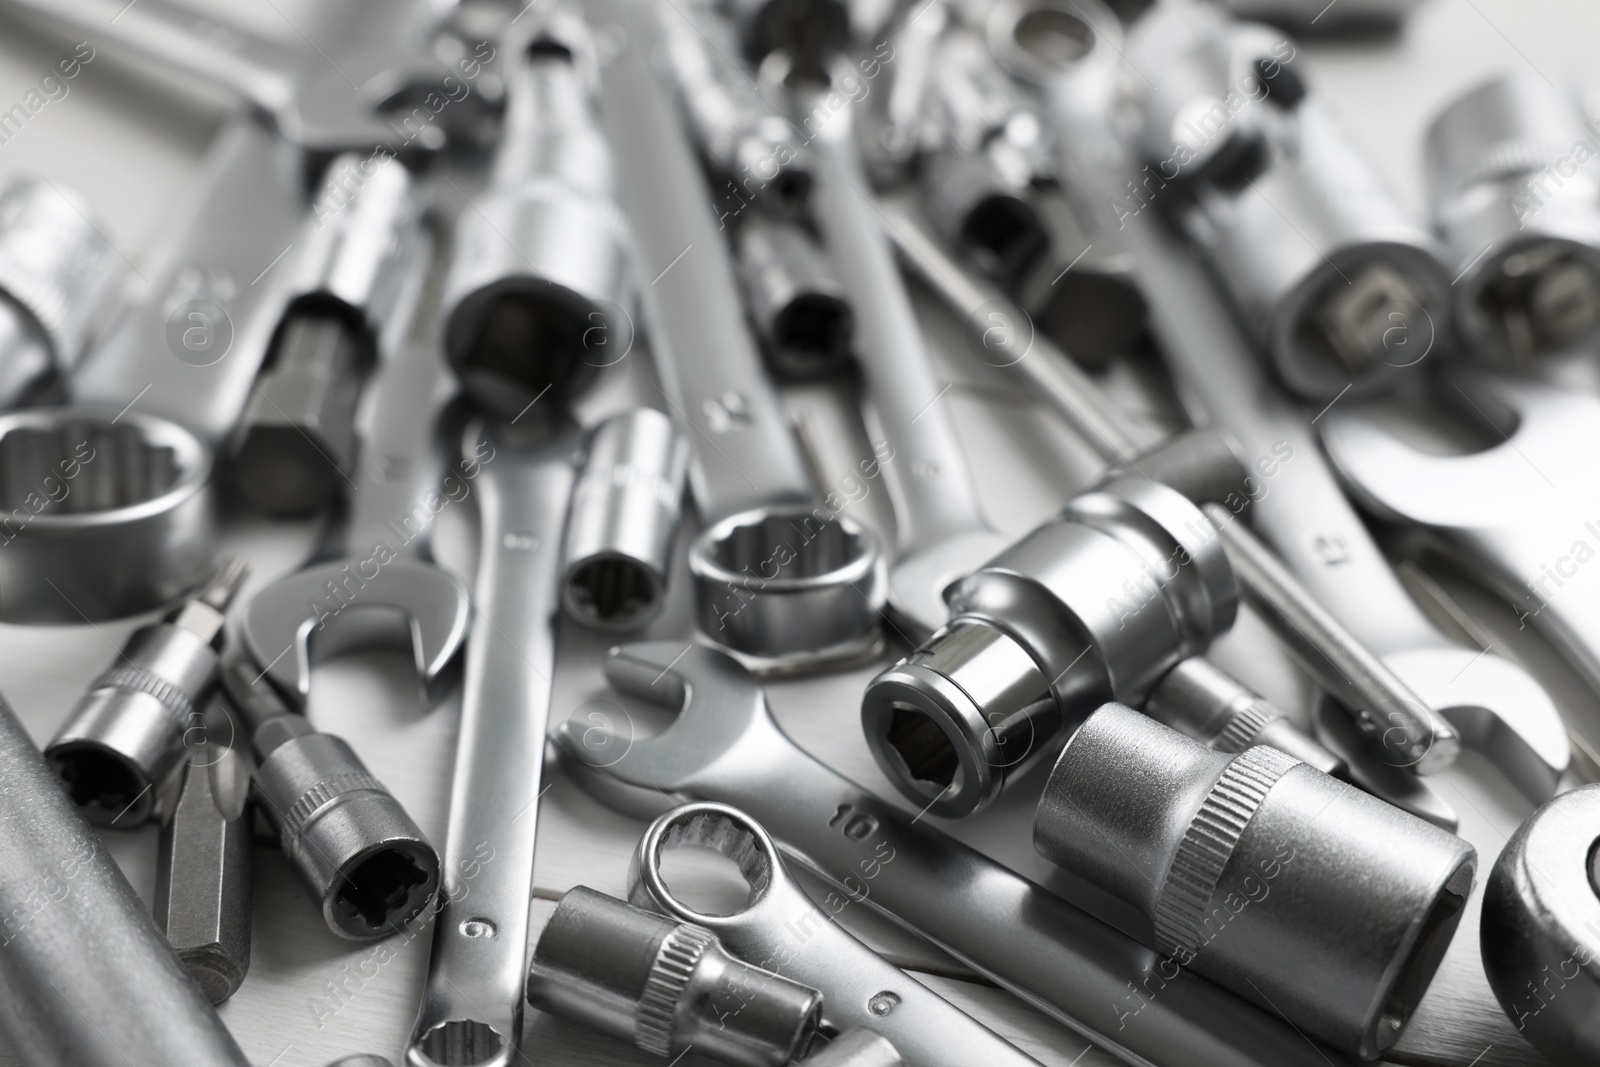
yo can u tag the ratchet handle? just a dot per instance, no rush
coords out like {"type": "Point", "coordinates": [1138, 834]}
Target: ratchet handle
{"type": "Point", "coordinates": [191, 350]}
{"type": "Point", "coordinates": [1075, 968]}
{"type": "Point", "coordinates": [932, 486]}
{"type": "Point", "coordinates": [475, 977]}
{"type": "Point", "coordinates": [707, 360]}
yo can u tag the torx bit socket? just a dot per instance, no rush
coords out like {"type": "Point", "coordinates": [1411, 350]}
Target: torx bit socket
{"type": "Point", "coordinates": [665, 986]}
{"type": "Point", "coordinates": [203, 871]}
{"type": "Point", "coordinates": [364, 860]}
{"type": "Point", "coordinates": [129, 731]}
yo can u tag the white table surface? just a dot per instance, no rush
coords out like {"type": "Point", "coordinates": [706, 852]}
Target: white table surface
{"type": "Point", "coordinates": [311, 996]}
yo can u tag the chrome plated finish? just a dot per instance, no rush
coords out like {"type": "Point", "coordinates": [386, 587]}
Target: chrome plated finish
{"type": "Point", "coordinates": [726, 747]}
{"type": "Point", "coordinates": [1295, 890]}
{"type": "Point", "coordinates": [784, 929]}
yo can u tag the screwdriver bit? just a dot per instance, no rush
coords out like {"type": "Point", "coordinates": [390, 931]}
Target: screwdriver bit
{"type": "Point", "coordinates": [362, 857]}
{"type": "Point", "coordinates": [203, 871]}
{"type": "Point", "coordinates": [129, 731]}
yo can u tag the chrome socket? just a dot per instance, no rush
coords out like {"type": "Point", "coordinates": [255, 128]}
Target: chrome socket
{"type": "Point", "coordinates": [1298, 892]}
{"type": "Point", "coordinates": [1099, 603]}
{"type": "Point", "coordinates": [1522, 234]}
{"type": "Point", "coordinates": [625, 512]}
{"type": "Point", "coordinates": [666, 986]}
{"type": "Point", "coordinates": [363, 859]}
{"type": "Point", "coordinates": [131, 729]}
{"type": "Point", "coordinates": [800, 310]}
{"type": "Point", "coordinates": [540, 286]}
{"type": "Point", "coordinates": [807, 31]}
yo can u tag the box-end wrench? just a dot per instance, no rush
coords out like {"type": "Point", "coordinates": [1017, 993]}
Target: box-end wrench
{"type": "Point", "coordinates": [373, 583]}
{"type": "Point", "coordinates": [1495, 706]}
{"type": "Point", "coordinates": [783, 930]}
{"type": "Point", "coordinates": [1340, 663]}
{"type": "Point", "coordinates": [941, 529]}
{"type": "Point", "coordinates": [779, 578]}
{"type": "Point", "coordinates": [471, 1011]}
{"type": "Point", "coordinates": [1521, 516]}
{"type": "Point", "coordinates": [726, 747]}
{"type": "Point", "coordinates": [373, 74]}
{"type": "Point", "coordinates": [85, 976]}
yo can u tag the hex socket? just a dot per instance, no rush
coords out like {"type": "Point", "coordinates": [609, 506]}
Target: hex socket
{"type": "Point", "coordinates": [1293, 889]}
{"type": "Point", "coordinates": [624, 519]}
{"type": "Point", "coordinates": [128, 733]}
{"type": "Point", "coordinates": [363, 858]}
{"type": "Point", "coordinates": [799, 309]}
{"type": "Point", "coordinates": [666, 986]}
{"type": "Point", "coordinates": [1098, 604]}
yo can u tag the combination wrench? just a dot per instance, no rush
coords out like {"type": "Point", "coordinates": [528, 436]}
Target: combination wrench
{"type": "Point", "coordinates": [725, 746]}
{"type": "Point", "coordinates": [788, 933]}
{"type": "Point", "coordinates": [780, 579]}
{"type": "Point", "coordinates": [1492, 703]}
{"type": "Point", "coordinates": [412, 86]}
{"type": "Point", "coordinates": [472, 1000]}
{"type": "Point", "coordinates": [941, 532]}
{"type": "Point", "coordinates": [1522, 516]}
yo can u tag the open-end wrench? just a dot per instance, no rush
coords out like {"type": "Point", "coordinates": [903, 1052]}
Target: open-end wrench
{"type": "Point", "coordinates": [372, 582]}
{"type": "Point", "coordinates": [1492, 703]}
{"type": "Point", "coordinates": [1341, 664]}
{"type": "Point", "coordinates": [726, 747]}
{"type": "Point", "coordinates": [372, 74]}
{"type": "Point", "coordinates": [941, 530]}
{"type": "Point", "coordinates": [1523, 516]}
{"type": "Point", "coordinates": [785, 931]}
{"type": "Point", "coordinates": [779, 578]}
{"type": "Point", "coordinates": [471, 1011]}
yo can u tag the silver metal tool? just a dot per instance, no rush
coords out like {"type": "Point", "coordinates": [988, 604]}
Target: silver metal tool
{"type": "Point", "coordinates": [1540, 933]}
{"type": "Point", "coordinates": [367, 866]}
{"type": "Point", "coordinates": [806, 30]}
{"type": "Point", "coordinates": [1523, 238]}
{"type": "Point", "coordinates": [940, 527]}
{"type": "Point", "coordinates": [1519, 515]}
{"type": "Point", "coordinates": [743, 137]}
{"type": "Point", "coordinates": [893, 113]}
{"type": "Point", "coordinates": [1486, 701]}
{"type": "Point", "coordinates": [1344, 667]}
{"type": "Point", "coordinates": [786, 931]}
{"type": "Point", "coordinates": [540, 289]}
{"type": "Point", "coordinates": [1349, 18]}
{"type": "Point", "coordinates": [1201, 701]}
{"type": "Point", "coordinates": [377, 74]}
{"type": "Point", "coordinates": [624, 521]}
{"type": "Point", "coordinates": [58, 274]}
{"type": "Point", "coordinates": [361, 1059]}
{"type": "Point", "coordinates": [799, 309]}
{"type": "Point", "coordinates": [857, 1048]}
{"type": "Point", "coordinates": [471, 1010]}
{"type": "Point", "coordinates": [779, 578]}
{"type": "Point", "coordinates": [1297, 891]}
{"type": "Point", "coordinates": [295, 448]}
{"type": "Point", "coordinates": [203, 868]}
{"type": "Point", "coordinates": [666, 986]}
{"type": "Point", "coordinates": [726, 747]}
{"type": "Point", "coordinates": [372, 582]}
{"type": "Point", "coordinates": [133, 726]}
{"type": "Point", "coordinates": [1335, 282]}
{"type": "Point", "coordinates": [101, 517]}
{"type": "Point", "coordinates": [79, 944]}
{"type": "Point", "coordinates": [1126, 583]}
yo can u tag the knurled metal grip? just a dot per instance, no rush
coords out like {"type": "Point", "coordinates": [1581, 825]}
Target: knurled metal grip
{"type": "Point", "coordinates": [670, 976]}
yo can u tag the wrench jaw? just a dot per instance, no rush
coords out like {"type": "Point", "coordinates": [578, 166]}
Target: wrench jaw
{"type": "Point", "coordinates": [790, 588]}
{"type": "Point", "coordinates": [325, 610]}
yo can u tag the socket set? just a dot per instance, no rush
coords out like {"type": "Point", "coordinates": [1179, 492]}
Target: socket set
{"type": "Point", "coordinates": [839, 533]}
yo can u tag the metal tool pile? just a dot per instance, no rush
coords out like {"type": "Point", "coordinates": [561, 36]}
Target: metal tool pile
{"type": "Point", "coordinates": [482, 212]}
